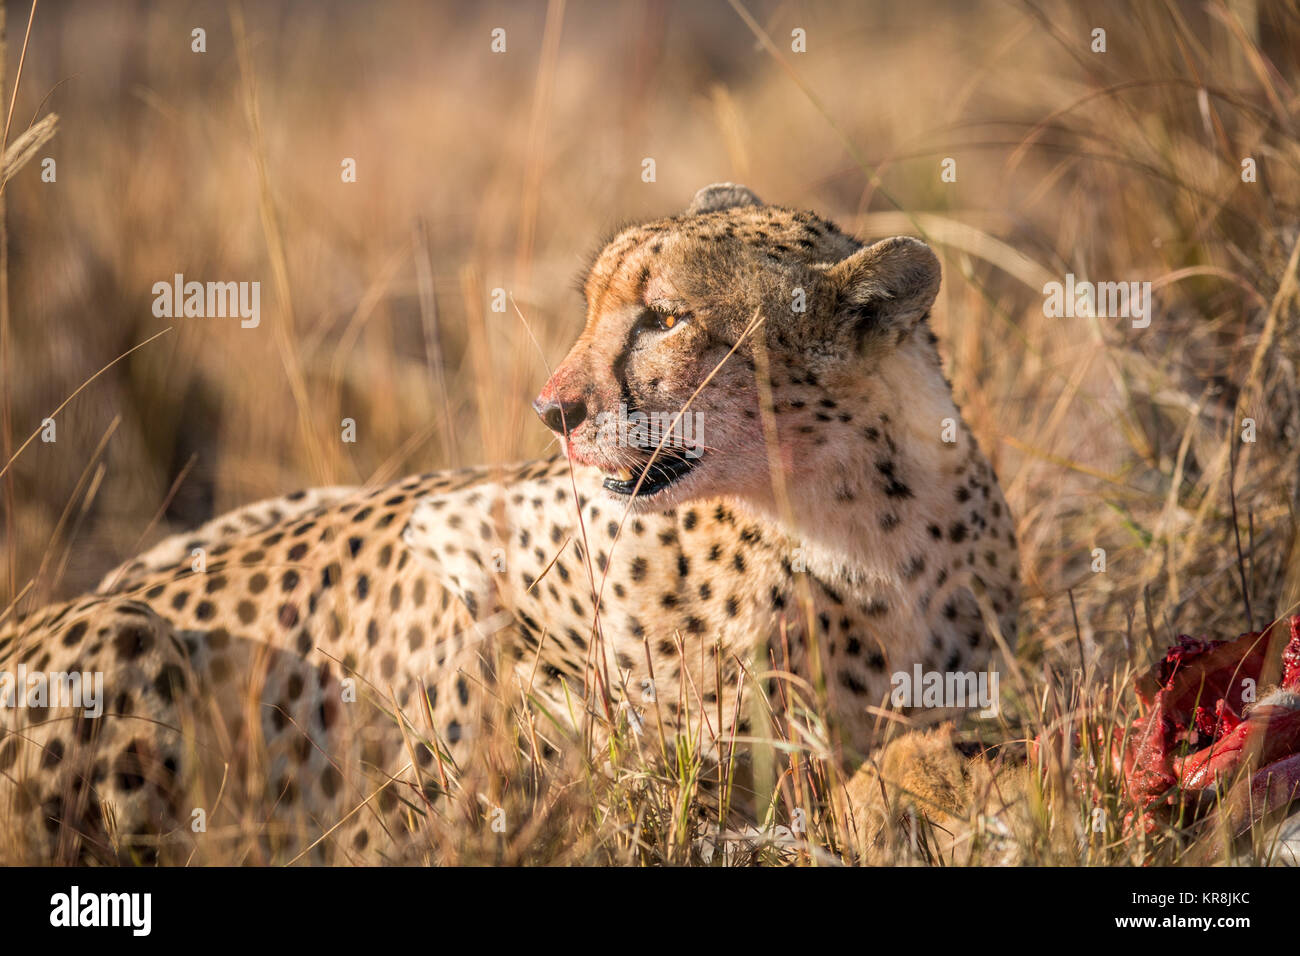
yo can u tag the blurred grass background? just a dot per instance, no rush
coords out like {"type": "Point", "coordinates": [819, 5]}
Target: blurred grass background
{"type": "Point", "coordinates": [478, 171]}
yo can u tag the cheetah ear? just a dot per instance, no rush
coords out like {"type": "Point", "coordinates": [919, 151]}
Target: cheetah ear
{"type": "Point", "coordinates": [721, 196]}
{"type": "Point", "coordinates": [887, 287]}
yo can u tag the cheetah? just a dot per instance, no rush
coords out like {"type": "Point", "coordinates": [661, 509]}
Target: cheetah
{"type": "Point", "coordinates": [318, 663]}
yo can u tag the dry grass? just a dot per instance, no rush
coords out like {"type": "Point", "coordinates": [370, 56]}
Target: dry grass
{"type": "Point", "coordinates": [479, 171]}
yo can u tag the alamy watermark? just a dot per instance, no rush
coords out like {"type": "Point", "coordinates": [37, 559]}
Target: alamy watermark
{"type": "Point", "coordinates": [84, 689]}
{"type": "Point", "coordinates": [133, 911]}
{"type": "Point", "coordinates": [208, 300]}
{"type": "Point", "coordinates": [959, 689]}
{"type": "Point", "coordinates": [1101, 300]}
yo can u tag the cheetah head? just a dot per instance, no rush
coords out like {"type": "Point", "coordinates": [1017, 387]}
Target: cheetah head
{"type": "Point", "coordinates": [710, 332]}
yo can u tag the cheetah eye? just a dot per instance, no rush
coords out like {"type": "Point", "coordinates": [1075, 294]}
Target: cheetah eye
{"type": "Point", "coordinates": [655, 320]}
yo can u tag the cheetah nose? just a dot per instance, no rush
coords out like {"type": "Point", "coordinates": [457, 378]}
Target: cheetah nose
{"type": "Point", "coordinates": [560, 415]}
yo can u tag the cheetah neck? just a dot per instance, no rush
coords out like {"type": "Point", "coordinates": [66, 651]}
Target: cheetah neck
{"type": "Point", "coordinates": [883, 479]}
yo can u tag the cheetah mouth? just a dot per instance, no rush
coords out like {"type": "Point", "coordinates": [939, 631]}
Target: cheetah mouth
{"type": "Point", "coordinates": [660, 474]}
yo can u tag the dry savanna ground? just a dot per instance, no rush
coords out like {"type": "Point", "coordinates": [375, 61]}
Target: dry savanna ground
{"type": "Point", "coordinates": [477, 171]}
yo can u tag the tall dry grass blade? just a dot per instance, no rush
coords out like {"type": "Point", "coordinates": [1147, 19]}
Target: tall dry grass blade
{"type": "Point", "coordinates": [21, 151]}
{"type": "Point", "coordinates": [429, 325]}
{"type": "Point", "coordinates": [6, 397]}
{"type": "Point", "coordinates": [535, 150]}
{"type": "Point", "coordinates": [274, 234]}
{"type": "Point", "coordinates": [22, 58]}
